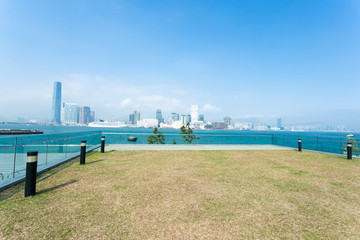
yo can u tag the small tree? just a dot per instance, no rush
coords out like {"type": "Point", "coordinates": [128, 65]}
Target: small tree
{"type": "Point", "coordinates": [355, 146]}
{"type": "Point", "coordinates": [187, 134]}
{"type": "Point", "coordinates": [158, 138]}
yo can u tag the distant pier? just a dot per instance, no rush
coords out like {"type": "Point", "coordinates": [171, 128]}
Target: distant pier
{"type": "Point", "coordinates": [19, 131]}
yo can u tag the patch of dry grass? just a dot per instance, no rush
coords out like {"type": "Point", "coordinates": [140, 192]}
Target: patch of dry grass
{"type": "Point", "coordinates": [192, 195]}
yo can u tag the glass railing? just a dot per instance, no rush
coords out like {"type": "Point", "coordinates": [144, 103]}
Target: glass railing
{"type": "Point", "coordinates": [52, 149]}
{"type": "Point", "coordinates": [326, 144]}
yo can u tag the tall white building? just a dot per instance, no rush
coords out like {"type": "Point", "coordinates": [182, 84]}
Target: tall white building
{"type": "Point", "coordinates": [70, 113]}
{"type": "Point", "coordinates": [194, 113]}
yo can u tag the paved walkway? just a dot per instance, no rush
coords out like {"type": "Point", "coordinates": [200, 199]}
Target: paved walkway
{"type": "Point", "coordinates": [207, 147]}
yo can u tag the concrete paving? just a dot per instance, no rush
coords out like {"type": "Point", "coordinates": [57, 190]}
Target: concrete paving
{"type": "Point", "coordinates": [207, 147]}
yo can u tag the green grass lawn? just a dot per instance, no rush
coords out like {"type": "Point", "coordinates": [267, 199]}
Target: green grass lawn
{"type": "Point", "coordinates": [191, 195]}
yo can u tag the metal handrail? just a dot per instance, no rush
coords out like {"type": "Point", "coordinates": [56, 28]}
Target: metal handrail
{"type": "Point", "coordinates": [47, 141]}
{"type": "Point", "coordinates": [213, 135]}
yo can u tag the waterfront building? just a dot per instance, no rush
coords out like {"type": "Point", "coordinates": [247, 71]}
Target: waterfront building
{"type": "Point", "coordinates": [134, 117]}
{"type": "Point", "coordinates": [201, 118]}
{"type": "Point", "coordinates": [159, 116]}
{"type": "Point", "coordinates": [183, 120]}
{"type": "Point", "coordinates": [56, 103]}
{"type": "Point", "coordinates": [92, 116]}
{"type": "Point", "coordinates": [188, 118]}
{"type": "Point", "coordinates": [174, 117]}
{"type": "Point", "coordinates": [279, 124]}
{"type": "Point", "coordinates": [219, 125]}
{"type": "Point", "coordinates": [227, 120]}
{"type": "Point", "coordinates": [84, 115]}
{"type": "Point", "coordinates": [194, 112]}
{"type": "Point", "coordinates": [70, 113]}
{"type": "Point", "coordinates": [148, 123]}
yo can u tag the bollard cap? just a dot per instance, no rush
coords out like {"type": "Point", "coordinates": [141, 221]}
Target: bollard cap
{"type": "Point", "coordinates": [30, 154]}
{"type": "Point", "coordinates": [103, 138]}
{"type": "Point", "coordinates": [349, 144]}
{"type": "Point", "coordinates": [83, 143]}
{"type": "Point", "coordinates": [299, 140]}
{"type": "Point", "coordinates": [32, 157]}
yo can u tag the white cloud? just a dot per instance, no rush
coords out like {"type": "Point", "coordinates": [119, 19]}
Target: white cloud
{"type": "Point", "coordinates": [126, 102]}
{"type": "Point", "coordinates": [211, 108]}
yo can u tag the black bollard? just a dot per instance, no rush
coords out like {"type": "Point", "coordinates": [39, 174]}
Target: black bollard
{"type": "Point", "coordinates": [349, 150]}
{"type": "Point", "coordinates": [299, 145]}
{"type": "Point", "coordinates": [82, 152]}
{"type": "Point", "coordinates": [31, 170]}
{"type": "Point", "coordinates": [103, 144]}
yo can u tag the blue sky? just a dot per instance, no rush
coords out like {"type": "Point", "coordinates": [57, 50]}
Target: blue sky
{"type": "Point", "coordinates": [299, 60]}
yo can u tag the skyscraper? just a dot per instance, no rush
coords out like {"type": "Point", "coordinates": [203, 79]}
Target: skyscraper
{"type": "Point", "coordinates": [159, 116]}
{"type": "Point", "coordinates": [84, 115]}
{"type": "Point", "coordinates": [183, 120]}
{"type": "Point", "coordinates": [175, 117]}
{"type": "Point", "coordinates": [227, 120]}
{"type": "Point", "coordinates": [201, 117]}
{"type": "Point", "coordinates": [70, 113]}
{"type": "Point", "coordinates": [56, 103]}
{"type": "Point", "coordinates": [279, 123]}
{"type": "Point", "coordinates": [134, 117]}
{"type": "Point", "coordinates": [194, 113]}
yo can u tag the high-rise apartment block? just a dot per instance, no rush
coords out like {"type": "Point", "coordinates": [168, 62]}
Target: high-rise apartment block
{"type": "Point", "coordinates": [159, 116]}
{"type": "Point", "coordinates": [194, 113]}
{"type": "Point", "coordinates": [70, 113]}
{"type": "Point", "coordinates": [201, 117]}
{"type": "Point", "coordinates": [280, 124]}
{"type": "Point", "coordinates": [84, 115]}
{"type": "Point", "coordinates": [56, 103]}
{"type": "Point", "coordinates": [92, 116]}
{"type": "Point", "coordinates": [134, 117]}
{"type": "Point", "coordinates": [227, 120]}
{"type": "Point", "coordinates": [175, 117]}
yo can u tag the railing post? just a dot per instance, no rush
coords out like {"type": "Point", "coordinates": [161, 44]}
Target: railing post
{"type": "Point", "coordinates": [14, 167]}
{"type": "Point", "coordinates": [82, 152]}
{"type": "Point", "coordinates": [103, 144]}
{"type": "Point", "coordinates": [31, 170]}
{"type": "Point", "coordinates": [47, 148]}
{"type": "Point", "coordinates": [349, 150]}
{"type": "Point", "coordinates": [317, 143]}
{"type": "Point", "coordinates": [299, 144]}
{"type": "Point", "coordinates": [66, 141]}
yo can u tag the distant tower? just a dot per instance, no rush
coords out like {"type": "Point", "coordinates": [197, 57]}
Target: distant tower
{"type": "Point", "coordinates": [134, 117]}
{"type": "Point", "coordinates": [227, 120]}
{"type": "Point", "coordinates": [84, 115]}
{"type": "Point", "coordinates": [183, 120]}
{"type": "Point", "coordinates": [70, 113]}
{"type": "Point", "coordinates": [279, 123]}
{"type": "Point", "coordinates": [201, 118]}
{"type": "Point", "coordinates": [194, 113]}
{"type": "Point", "coordinates": [175, 117]}
{"type": "Point", "coordinates": [56, 103]}
{"type": "Point", "coordinates": [159, 116]}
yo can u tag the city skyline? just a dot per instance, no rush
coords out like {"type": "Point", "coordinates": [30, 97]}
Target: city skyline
{"type": "Point", "coordinates": [295, 60]}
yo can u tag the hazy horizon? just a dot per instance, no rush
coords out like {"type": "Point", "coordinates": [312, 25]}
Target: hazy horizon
{"type": "Point", "coordinates": [298, 60]}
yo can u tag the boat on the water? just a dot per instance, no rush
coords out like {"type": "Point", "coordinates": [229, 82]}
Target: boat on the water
{"type": "Point", "coordinates": [132, 139]}
{"type": "Point", "coordinates": [19, 131]}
